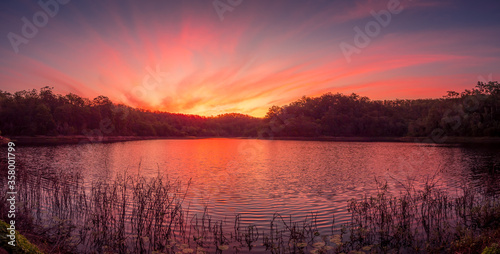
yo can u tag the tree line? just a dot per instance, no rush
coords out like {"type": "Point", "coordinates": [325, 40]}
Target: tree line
{"type": "Point", "coordinates": [471, 113]}
{"type": "Point", "coordinates": [28, 113]}
{"type": "Point", "coordinates": [474, 112]}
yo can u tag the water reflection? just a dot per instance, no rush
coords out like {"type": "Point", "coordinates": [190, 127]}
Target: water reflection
{"type": "Point", "coordinates": [257, 178]}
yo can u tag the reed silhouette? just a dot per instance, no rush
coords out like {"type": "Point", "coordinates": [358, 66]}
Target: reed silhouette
{"type": "Point", "coordinates": [132, 214]}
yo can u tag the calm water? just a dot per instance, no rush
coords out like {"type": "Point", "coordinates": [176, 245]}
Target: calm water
{"type": "Point", "coordinates": [256, 178]}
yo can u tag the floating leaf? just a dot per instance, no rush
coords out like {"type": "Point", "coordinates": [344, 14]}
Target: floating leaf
{"type": "Point", "coordinates": [301, 245]}
{"type": "Point", "coordinates": [318, 244]}
{"type": "Point", "coordinates": [367, 248]}
{"type": "Point", "coordinates": [336, 239]}
{"type": "Point", "coordinates": [223, 247]}
{"type": "Point", "coordinates": [200, 250]}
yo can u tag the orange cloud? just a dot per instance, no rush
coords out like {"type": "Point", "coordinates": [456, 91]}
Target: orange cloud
{"type": "Point", "coordinates": [189, 61]}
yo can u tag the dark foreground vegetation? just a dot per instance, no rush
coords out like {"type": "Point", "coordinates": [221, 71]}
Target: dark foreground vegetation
{"type": "Point", "coordinates": [136, 215]}
{"type": "Point", "coordinates": [471, 113]}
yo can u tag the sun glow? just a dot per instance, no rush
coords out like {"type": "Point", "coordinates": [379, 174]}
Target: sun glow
{"type": "Point", "coordinates": [181, 57]}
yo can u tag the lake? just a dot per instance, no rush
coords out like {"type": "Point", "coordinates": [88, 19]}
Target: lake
{"type": "Point", "coordinates": [257, 178]}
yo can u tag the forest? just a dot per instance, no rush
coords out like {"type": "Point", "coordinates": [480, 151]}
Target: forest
{"type": "Point", "coordinates": [471, 113]}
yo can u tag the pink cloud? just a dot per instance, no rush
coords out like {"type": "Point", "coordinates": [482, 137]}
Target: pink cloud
{"type": "Point", "coordinates": [215, 66]}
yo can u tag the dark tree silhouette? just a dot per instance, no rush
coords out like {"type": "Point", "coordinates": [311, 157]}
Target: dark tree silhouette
{"type": "Point", "coordinates": [474, 112]}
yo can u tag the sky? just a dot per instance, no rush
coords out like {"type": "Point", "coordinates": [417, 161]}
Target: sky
{"type": "Point", "coordinates": [212, 57]}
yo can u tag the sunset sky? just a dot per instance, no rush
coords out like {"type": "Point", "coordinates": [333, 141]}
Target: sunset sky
{"type": "Point", "coordinates": [212, 57]}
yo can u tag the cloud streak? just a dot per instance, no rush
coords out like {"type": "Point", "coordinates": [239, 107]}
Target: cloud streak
{"type": "Point", "coordinates": [261, 54]}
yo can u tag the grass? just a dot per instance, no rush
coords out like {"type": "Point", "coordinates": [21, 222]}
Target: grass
{"type": "Point", "coordinates": [22, 245]}
{"type": "Point", "coordinates": [425, 221]}
{"type": "Point", "coordinates": [137, 215]}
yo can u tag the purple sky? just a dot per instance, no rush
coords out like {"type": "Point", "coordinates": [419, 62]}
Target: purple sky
{"type": "Point", "coordinates": [212, 57]}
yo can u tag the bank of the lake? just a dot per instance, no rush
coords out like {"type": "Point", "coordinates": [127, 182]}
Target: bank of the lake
{"type": "Point", "coordinates": [21, 245]}
{"type": "Point", "coordinates": [81, 139]}
{"type": "Point", "coordinates": [442, 140]}
{"type": "Point", "coordinates": [4, 140]}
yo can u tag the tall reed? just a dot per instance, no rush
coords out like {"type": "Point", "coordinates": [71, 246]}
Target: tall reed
{"type": "Point", "coordinates": [132, 214]}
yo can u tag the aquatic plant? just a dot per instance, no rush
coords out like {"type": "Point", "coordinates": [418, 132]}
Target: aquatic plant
{"type": "Point", "coordinates": [149, 215]}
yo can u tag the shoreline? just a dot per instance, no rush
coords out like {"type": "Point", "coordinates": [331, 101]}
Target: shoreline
{"type": "Point", "coordinates": [422, 140]}
{"type": "Point", "coordinates": [80, 139]}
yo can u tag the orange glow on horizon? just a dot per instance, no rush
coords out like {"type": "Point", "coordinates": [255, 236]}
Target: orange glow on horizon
{"type": "Point", "coordinates": [189, 61]}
